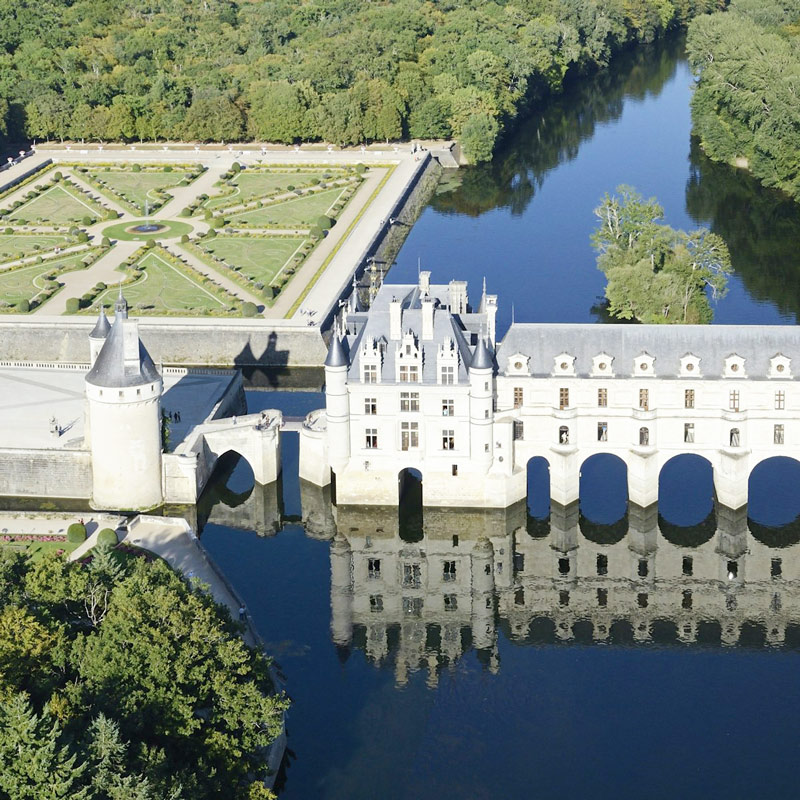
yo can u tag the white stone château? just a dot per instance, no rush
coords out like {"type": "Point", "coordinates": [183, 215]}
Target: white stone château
{"type": "Point", "coordinates": [418, 382]}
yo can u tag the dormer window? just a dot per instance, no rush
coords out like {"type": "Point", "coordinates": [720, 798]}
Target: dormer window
{"type": "Point", "coordinates": [518, 364]}
{"type": "Point", "coordinates": [564, 364]}
{"type": "Point", "coordinates": [780, 367]}
{"type": "Point", "coordinates": [734, 367]}
{"type": "Point", "coordinates": [643, 366]}
{"type": "Point", "coordinates": [690, 366]}
{"type": "Point", "coordinates": [601, 365]}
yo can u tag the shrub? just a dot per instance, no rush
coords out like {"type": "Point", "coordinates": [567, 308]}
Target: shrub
{"type": "Point", "coordinates": [8, 231]}
{"type": "Point", "coordinates": [23, 306]}
{"type": "Point", "coordinates": [76, 533]}
{"type": "Point", "coordinates": [83, 236]}
{"type": "Point", "coordinates": [249, 309]}
{"type": "Point", "coordinates": [184, 238]}
{"type": "Point", "coordinates": [105, 241]}
{"type": "Point", "coordinates": [73, 231]}
{"type": "Point", "coordinates": [73, 304]}
{"type": "Point", "coordinates": [315, 181]}
{"type": "Point", "coordinates": [324, 222]}
{"type": "Point", "coordinates": [101, 286]}
{"type": "Point", "coordinates": [208, 214]}
{"type": "Point", "coordinates": [150, 243]}
{"type": "Point", "coordinates": [360, 169]}
{"type": "Point", "coordinates": [185, 212]}
{"type": "Point", "coordinates": [168, 168]}
{"type": "Point", "coordinates": [57, 176]}
{"type": "Point", "coordinates": [315, 231]}
{"type": "Point", "coordinates": [87, 220]}
{"type": "Point", "coordinates": [136, 168]}
{"type": "Point", "coordinates": [107, 538]}
{"type": "Point", "coordinates": [236, 167]}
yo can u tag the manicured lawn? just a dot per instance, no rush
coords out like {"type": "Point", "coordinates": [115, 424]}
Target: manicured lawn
{"type": "Point", "coordinates": [257, 183]}
{"type": "Point", "coordinates": [56, 205]}
{"type": "Point", "coordinates": [163, 288]}
{"type": "Point", "coordinates": [300, 212]}
{"type": "Point", "coordinates": [25, 283]}
{"type": "Point", "coordinates": [139, 187]}
{"type": "Point", "coordinates": [15, 246]}
{"type": "Point", "coordinates": [38, 550]}
{"type": "Point", "coordinates": [260, 259]}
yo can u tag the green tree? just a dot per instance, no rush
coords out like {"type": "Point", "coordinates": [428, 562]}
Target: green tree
{"type": "Point", "coordinates": [478, 136]}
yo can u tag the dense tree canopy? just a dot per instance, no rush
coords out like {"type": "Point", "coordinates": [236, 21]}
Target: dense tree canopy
{"type": "Point", "coordinates": [118, 681]}
{"type": "Point", "coordinates": [656, 274]}
{"type": "Point", "coordinates": [345, 71]}
{"type": "Point", "coordinates": [746, 107]}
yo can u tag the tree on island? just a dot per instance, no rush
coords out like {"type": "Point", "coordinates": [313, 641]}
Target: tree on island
{"type": "Point", "coordinates": [656, 274]}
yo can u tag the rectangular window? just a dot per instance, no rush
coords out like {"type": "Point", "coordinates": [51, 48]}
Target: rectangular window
{"type": "Point", "coordinates": [602, 564]}
{"type": "Point", "coordinates": [688, 398]}
{"type": "Point", "coordinates": [411, 575]}
{"type": "Point", "coordinates": [374, 568]}
{"type": "Point", "coordinates": [450, 602]}
{"type": "Point", "coordinates": [370, 373]}
{"type": "Point", "coordinates": [733, 400]}
{"type": "Point", "coordinates": [448, 408]}
{"type": "Point", "coordinates": [409, 435]}
{"type": "Point", "coordinates": [412, 606]}
{"type": "Point", "coordinates": [448, 440]}
{"type": "Point", "coordinates": [371, 438]}
{"type": "Point", "coordinates": [376, 603]}
{"type": "Point", "coordinates": [602, 398]}
{"type": "Point", "coordinates": [780, 401]}
{"type": "Point", "coordinates": [409, 373]}
{"type": "Point", "coordinates": [777, 435]}
{"type": "Point", "coordinates": [370, 405]}
{"type": "Point", "coordinates": [448, 570]}
{"type": "Point", "coordinates": [517, 397]}
{"type": "Point", "coordinates": [409, 401]}
{"type": "Point", "coordinates": [448, 375]}
{"type": "Point", "coordinates": [454, 470]}
{"type": "Point", "coordinates": [519, 597]}
{"type": "Point", "coordinates": [563, 398]}
{"type": "Point", "coordinates": [602, 431]}
{"type": "Point", "coordinates": [519, 562]}
{"type": "Point", "coordinates": [644, 399]}
{"type": "Point", "coordinates": [602, 598]}
{"type": "Point", "coordinates": [688, 432]}
{"type": "Point", "coordinates": [688, 565]}
{"type": "Point", "coordinates": [776, 568]}
{"type": "Point", "coordinates": [519, 430]}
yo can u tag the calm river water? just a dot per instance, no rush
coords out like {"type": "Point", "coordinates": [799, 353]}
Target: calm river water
{"type": "Point", "coordinates": [606, 656]}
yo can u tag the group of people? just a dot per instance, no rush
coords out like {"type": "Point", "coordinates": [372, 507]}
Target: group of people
{"type": "Point", "coordinates": [173, 416]}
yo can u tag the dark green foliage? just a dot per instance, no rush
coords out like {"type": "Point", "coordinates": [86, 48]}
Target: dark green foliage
{"type": "Point", "coordinates": [745, 108]}
{"type": "Point", "coordinates": [184, 238]}
{"type": "Point", "coordinates": [23, 306]}
{"type": "Point", "coordinates": [73, 304]}
{"type": "Point", "coordinates": [344, 72]}
{"type": "Point", "coordinates": [83, 236]}
{"type": "Point", "coordinates": [120, 680]}
{"type": "Point", "coordinates": [150, 244]}
{"type": "Point", "coordinates": [249, 309]}
{"type": "Point", "coordinates": [324, 222]}
{"type": "Point", "coordinates": [656, 274]}
{"type": "Point", "coordinates": [107, 538]}
{"type": "Point", "coordinates": [86, 220]}
{"type": "Point", "coordinates": [76, 532]}
{"type": "Point", "coordinates": [105, 241]}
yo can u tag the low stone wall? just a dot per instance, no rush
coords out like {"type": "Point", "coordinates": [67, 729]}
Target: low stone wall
{"type": "Point", "coordinates": [46, 473]}
{"type": "Point", "coordinates": [173, 342]}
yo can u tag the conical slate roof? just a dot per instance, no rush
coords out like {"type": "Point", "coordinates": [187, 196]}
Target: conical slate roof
{"type": "Point", "coordinates": [482, 357]}
{"type": "Point", "coordinates": [102, 327]}
{"type": "Point", "coordinates": [123, 360]}
{"type": "Point", "coordinates": [337, 357]}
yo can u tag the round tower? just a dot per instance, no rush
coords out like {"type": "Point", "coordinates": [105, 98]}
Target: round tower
{"type": "Point", "coordinates": [337, 404]}
{"type": "Point", "coordinates": [481, 404]}
{"type": "Point", "coordinates": [98, 336]}
{"type": "Point", "coordinates": [123, 392]}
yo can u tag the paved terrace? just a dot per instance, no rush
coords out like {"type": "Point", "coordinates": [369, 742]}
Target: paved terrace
{"type": "Point", "coordinates": [30, 396]}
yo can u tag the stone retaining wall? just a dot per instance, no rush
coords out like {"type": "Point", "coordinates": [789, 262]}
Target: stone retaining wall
{"type": "Point", "coordinates": [45, 473]}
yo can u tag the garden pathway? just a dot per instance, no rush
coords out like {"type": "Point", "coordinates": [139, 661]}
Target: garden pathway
{"type": "Point", "coordinates": [182, 196]}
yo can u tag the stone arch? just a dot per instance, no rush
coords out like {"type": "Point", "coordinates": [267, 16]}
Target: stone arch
{"type": "Point", "coordinates": [685, 491]}
{"type": "Point", "coordinates": [538, 496]}
{"type": "Point", "coordinates": [773, 492]}
{"type": "Point", "coordinates": [232, 479]}
{"type": "Point", "coordinates": [603, 492]}
{"type": "Point", "coordinates": [410, 502]}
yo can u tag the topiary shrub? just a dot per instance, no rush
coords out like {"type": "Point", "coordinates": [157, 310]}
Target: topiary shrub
{"type": "Point", "coordinates": [249, 309]}
{"type": "Point", "coordinates": [315, 232]}
{"type": "Point", "coordinates": [57, 176]}
{"type": "Point", "coordinates": [236, 167]}
{"type": "Point", "coordinates": [73, 304]}
{"type": "Point", "coordinates": [83, 236]}
{"type": "Point", "coordinates": [105, 241]}
{"type": "Point", "coordinates": [136, 168]}
{"type": "Point", "coordinates": [8, 231]}
{"type": "Point", "coordinates": [167, 168]}
{"type": "Point", "coordinates": [107, 538]}
{"type": "Point", "coordinates": [184, 238]}
{"type": "Point", "coordinates": [76, 533]}
{"type": "Point", "coordinates": [23, 306]}
{"type": "Point", "coordinates": [87, 220]}
{"type": "Point", "coordinates": [150, 244]}
{"type": "Point", "coordinates": [360, 169]}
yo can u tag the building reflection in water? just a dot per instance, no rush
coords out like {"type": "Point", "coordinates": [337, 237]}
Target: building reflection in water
{"type": "Point", "coordinates": [423, 602]}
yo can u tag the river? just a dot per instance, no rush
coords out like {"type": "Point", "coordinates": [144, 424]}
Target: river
{"type": "Point", "coordinates": [592, 664]}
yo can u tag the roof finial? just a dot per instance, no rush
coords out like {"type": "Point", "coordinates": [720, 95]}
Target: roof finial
{"type": "Point", "coordinates": [484, 286]}
{"type": "Point", "coordinates": [121, 306]}
{"type": "Point", "coordinates": [512, 313]}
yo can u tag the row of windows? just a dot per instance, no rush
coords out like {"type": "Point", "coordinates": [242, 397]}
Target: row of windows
{"type": "Point", "coordinates": [409, 437]}
{"type": "Point", "coordinates": [412, 574]}
{"type": "Point", "coordinates": [412, 606]}
{"type": "Point", "coordinates": [409, 401]}
{"type": "Point", "coordinates": [409, 373]}
{"type": "Point", "coordinates": [644, 399]}
{"type": "Point", "coordinates": [734, 437]}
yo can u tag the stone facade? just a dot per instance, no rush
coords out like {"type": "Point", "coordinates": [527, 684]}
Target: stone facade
{"type": "Point", "coordinates": [416, 383]}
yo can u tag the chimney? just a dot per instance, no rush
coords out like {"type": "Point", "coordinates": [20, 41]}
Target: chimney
{"type": "Point", "coordinates": [427, 317]}
{"type": "Point", "coordinates": [458, 297]}
{"type": "Point", "coordinates": [491, 316]}
{"type": "Point", "coordinates": [395, 319]}
{"type": "Point", "coordinates": [425, 283]}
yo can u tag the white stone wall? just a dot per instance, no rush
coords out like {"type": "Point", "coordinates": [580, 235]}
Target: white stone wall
{"type": "Point", "coordinates": [45, 473]}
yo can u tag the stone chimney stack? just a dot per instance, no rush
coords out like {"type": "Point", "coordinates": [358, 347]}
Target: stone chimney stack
{"type": "Point", "coordinates": [458, 297]}
{"type": "Point", "coordinates": [425, 283]}
{"type": "Point", "coordinates": [395, 319]}
{"type": "Point", "coordinates": [428, 311]}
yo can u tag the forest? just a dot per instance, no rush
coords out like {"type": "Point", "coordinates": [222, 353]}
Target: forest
{"type": "Point", "coordinates": [746, 106]}
{"type": "Point", "coordinates": [121, 681]}
{"type": "Point", "coordinates": [341, 71]}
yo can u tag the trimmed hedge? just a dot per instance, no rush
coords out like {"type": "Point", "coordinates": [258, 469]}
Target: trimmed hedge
{"type": "Point", "coordinates": [107, 538]}
{"type": "Point", "coordinates": [76, 533]}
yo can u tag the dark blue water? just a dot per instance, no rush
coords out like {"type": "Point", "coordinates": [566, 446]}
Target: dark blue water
{"type": "Point", "coordinates": [539, 712]}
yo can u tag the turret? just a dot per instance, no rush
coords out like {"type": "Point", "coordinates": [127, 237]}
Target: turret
{"type": "Point", "coordinates": [341, 591]}
{"type": "Point", "coordinates": [483, 627]}
{"type": "Point", "coordinates": [481, 404]}
{"type": "Point", "coordinates": [337, 403]}
{"type": "Point", "coordinates": [97, 337]}
{"type": "Point", "coordinates": [123, 391]}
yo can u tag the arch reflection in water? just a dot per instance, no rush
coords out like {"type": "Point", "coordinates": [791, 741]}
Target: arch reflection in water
{"type": "Point", "coordinates": [422, 605]}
